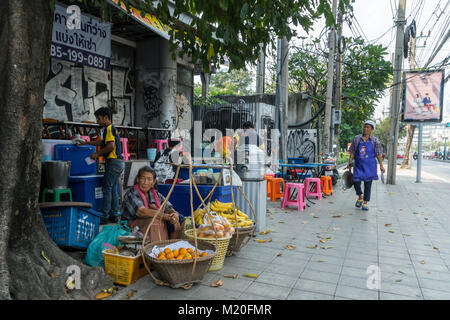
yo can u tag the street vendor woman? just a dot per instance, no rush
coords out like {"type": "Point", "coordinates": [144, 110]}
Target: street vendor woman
{"type": "Point", "coordinates": [364, 149]}
{"type": "Point", "coordinates": [142, 202]}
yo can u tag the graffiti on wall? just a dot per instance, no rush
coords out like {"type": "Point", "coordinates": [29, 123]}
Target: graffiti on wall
{"type": "Point", "coordinates": [152, 104]}
{"type": "Point", "coordinates": [122, 95]}
{"type": "Point", "coordinates": [302, 143]}
{"type": "Point", "coordinates": [183, 120]}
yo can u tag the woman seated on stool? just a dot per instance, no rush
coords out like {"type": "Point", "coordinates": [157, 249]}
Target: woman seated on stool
{"type": "Point", "coordinates": [142, 202]}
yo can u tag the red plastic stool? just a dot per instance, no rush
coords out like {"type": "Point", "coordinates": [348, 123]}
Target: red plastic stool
{"type": "Point", "coordinates": [299, 202]}
{"type": "Point", "coordinates": [159, 144]}
{"type": "Point", "coordinates": [317, 192]}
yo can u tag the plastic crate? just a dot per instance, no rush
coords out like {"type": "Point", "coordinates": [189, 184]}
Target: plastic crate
{"type": "Point", "coordinates": [73, 227]}
{"type": "Point", "coordinates": [77, 155]}
{"type": "Point", "coordinates": [124, 269]}
{"type": "Point", "coordinates": [87, 189]}
{"type": "Point", "coordinates": [180, 197]}
{"type": "Point", "coordinates": [299, 160]}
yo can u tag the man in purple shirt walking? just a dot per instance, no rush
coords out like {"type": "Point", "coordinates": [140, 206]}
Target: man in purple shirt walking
{"type": "Point", "coordinates": [364, 149]}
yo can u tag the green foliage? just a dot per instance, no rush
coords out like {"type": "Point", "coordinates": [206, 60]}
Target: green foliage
{"type": "Point", "coordinates": [241, 25]}
{"type": "Point", "coordinates": [382, 131]}
{"type": "Point", "coordinates": [365, 73]}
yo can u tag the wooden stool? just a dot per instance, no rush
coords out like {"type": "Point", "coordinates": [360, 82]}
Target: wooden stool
{"type": "Point", "coordinates": [317, 192]}
{"type": "Point", "coordinates": [326, 185]}
{"type": "Point", "coordinates": [275, 192]}
{"type": "Point", "coordinates": [56, 194]}
{"type": "Point", "coordinates": [299, 202]}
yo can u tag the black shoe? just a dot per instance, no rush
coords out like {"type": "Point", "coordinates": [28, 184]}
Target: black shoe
{"type": "Point", "coordinates": [104, 220]}
{"type": "Point", "coordinates": [114, 219]}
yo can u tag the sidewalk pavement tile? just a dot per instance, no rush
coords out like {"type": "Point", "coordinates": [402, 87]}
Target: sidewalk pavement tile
{"type": "Point", "coordinates": [356, 293]}
{"type": "Point", "coordinates": [309, 274]}
{"type": "Point", "coordinates": [355, 272]}
{"type": "Point", "coordinates": [359, 263]}
{"type": "Point", "coordinates": [268, 290]}
{"type": "Point", "coordinates": [324, 266]}
{"type": "Point", "coordinates": [315, 286]}
{"type": "Point", "coordinates": [304, 295]}
{"type": "Point", "coordinates": [277, 279]}
{"type": "Point", "coordinates": [291, 270]}
{"type": "Point", "coordinates": [396, 288]}
{"type": "Point", "coordinates": [357, 282]}
{"type": "Point", "coordinates": [210, 293]}
{"type": "Point", "coordinates": [391, 296]}
{"type": "Point", "coordinates": [430, 294]}
{"type": "Point", "coordinates": [250, 296]}
{"type": "Point", "coordinates": [434, 284]}
{"type": "Point", "coordinates": [433, 275]}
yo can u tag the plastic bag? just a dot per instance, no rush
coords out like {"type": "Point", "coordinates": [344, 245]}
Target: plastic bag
{"type": "Point", "coordinates": [109, 234]}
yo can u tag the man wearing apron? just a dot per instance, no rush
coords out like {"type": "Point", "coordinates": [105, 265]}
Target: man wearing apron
{"type": "Point", "coordinates": [364, 149]}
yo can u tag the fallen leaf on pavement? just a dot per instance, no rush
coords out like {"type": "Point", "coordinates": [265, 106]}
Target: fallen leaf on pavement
{"type": "Point", "coordinates": [326, 247]}
{"type": "Point", "coordinates": [304, 222]}
{"type": "Point", "coordinates": [265, 232]}
{"type": "Point", "coordinates": [322, 241]}
{"type": "Point", "coordinates": [398, 280]}
{"type": "Point", "coordinates": [312, 247]}
{"type": "Point", "coordinates": [232, 276]}
{"type": "Point", "coordinates": [364, 220]}
{"type": "Point", "coordinates": [391, 231]}
{"type": "Point", "coordinates": [130, 294]}
{"type": "Point", "coordinates": [251, 275]}
{"type": "Point", "coordinates": [290, 247]}
{"type": "Point", "coordinates": [320, 261]}
{"type": "Point", "coordinates": [387, 225]}
{"type": "Point", "coordinates": [51, 274]}
{"type": "Point", "coordinates": [316, 217]}
{"type": "Point", "coordinates": [329, 238]}
{"type": "Point", "coordinates": [326, 231]}
{"type": "Point", "coordinates": [429, 272]}
{"type": "Point", "coordinates": [422, 262]}
{"type": "Point", "coordinates": [219, 283]}
{"type": "Point", "coordinates": [338, 216]}
{"type": "Point", "coordinates": [435, 248]}
{"type": "Point", "coordinates": [262, 241]}
{"type": "Point", "coordinates": [401, 272]}
{"type": "Point", "coordinates": [278, 254]}
{"type": "Point", "coordinates": [102, 295]}
{"type": "Point", "coordinates": [280, 221]}
{"type": "Point", "coordinates": [391, 193]}
{"type": "Point", "coordinates": [390, 241]}
{"type": "Point", "coordinates": [407, 235]}
{"type": "Point", "coordinates": [336, 229]}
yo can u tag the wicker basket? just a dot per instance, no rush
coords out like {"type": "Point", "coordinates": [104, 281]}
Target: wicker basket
{"type": "Point", "coordinates": [187, 226]}
{"type": "Point", "coordinates": [221, 244]}
{"type": "Point", "coordinates": [178, 272]}
{"type": "Point", "coordinates": [243, 234]}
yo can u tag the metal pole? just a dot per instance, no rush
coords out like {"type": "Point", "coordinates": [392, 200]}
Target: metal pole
{"type": "Point", "coordinates": [330, 76]}
{"type": "Point", "coordinates": [395, 106]}
{"type": "Point", "coordinates": [419, 159]}
{"type": "Point", "coordinates": [445, 148]}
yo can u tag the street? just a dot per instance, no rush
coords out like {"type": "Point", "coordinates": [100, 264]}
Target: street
{"type": "Point", "coordinates": [434, 169]}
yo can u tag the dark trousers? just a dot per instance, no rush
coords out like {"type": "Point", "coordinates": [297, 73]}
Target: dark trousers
{"type": "Point", "coordinates": [367, 189]}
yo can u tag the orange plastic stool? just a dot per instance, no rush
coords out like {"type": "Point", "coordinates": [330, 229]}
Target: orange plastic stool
{"type": "Point", "coordinates": [326, 185]}
{"type": "Point", "coordinates": [268, 178]}
{"type": "Point", "coordinates": [275, 190]}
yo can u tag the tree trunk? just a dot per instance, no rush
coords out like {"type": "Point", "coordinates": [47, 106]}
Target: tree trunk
{"type": "Point", "coordinates": [25, 37]}
{"type": "Point", "coordinates": [406, 163]}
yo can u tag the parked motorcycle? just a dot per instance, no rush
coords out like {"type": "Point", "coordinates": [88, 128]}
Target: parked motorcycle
{"type": "Point", "coordinates": [329, 170]}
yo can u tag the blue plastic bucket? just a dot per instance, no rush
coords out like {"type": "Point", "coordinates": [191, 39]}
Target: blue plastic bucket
{"type": "Point", "coordinates": [151, 154]}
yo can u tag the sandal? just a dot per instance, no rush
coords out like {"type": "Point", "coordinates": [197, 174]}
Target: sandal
{"type": "Point", "coordinates": [358, 203]}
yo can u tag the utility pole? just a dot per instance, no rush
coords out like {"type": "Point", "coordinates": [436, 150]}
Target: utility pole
{"type": "Point", "coordinates": [338, 90]}
{"type": "Point", "coordinates": [260, 71]}
{"type": "Point", "coordinates": [395, 103]}
{"type": "Point", "coordinates": [284, 92]}
{"type": "Point", "coordinates": [327, 127]}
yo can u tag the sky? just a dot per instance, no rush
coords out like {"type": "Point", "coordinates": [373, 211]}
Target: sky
{"type": "Point", "coordinates": [375, 19]}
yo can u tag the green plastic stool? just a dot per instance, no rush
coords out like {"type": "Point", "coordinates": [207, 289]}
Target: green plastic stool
{"type": "Point", "coordinates": [56, 194]}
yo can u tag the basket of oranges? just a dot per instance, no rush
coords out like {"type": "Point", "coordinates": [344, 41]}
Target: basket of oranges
{"type": "Point", "coordinates": [173, 260]}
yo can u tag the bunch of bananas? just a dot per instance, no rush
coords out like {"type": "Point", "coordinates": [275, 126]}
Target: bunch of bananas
{"type": "Point", "coordinates": [226, 210]}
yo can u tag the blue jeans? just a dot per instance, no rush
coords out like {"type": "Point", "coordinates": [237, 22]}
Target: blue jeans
{"type": "Point", "coordinates": [114, 169]}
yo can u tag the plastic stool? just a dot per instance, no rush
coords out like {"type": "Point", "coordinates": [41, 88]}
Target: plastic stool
{"type": "Point", "coordinates": [159, 144]}
{"type": "Point", "coordinates": [56, 194]}
{"type": "Point", "coordinates": [326, 185]}
{"type": "Point", "coordinates": [317, 192]}
{"type": "Point", "coordinates": [299, 202]}
{"type": "Point", "coordinates": [275, 192]}
{"type": "Point", "coordinates": [267, 177]}
{"type": "Point", "coordinates": [125, 154]}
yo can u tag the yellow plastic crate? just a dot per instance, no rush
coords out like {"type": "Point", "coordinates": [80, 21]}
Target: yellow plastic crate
{"type": "Point", "coordinates": [123, 269]}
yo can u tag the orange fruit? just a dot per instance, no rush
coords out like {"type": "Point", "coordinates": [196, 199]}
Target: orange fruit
{"type": "Point", "coordinates": [162, 258]}
{"type": "Point", "coordinates": [170, 255]}
{"type": "Point", "coordinates": [182, 251]}
{"type": "Point", "coordinates": [188, 256]}
{"type": "Point", "coordinates": [180, 257]}
{"type": "Point", "coordinates": [175, 253]}
{"type": "Point", "coordinates": [204, 254]}
{"type": "Point", "coordinates": [167, 250]}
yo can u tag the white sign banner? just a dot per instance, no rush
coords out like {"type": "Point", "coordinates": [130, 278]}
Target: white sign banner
{"type": "Point", "coordinates": [80, 39]}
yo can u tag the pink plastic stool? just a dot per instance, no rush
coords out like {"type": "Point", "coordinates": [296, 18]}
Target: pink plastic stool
{"type": "Point", "coordinates": [159, 144]}
{"type": "Point", "coordinates": [300, 202]}
{"type": "Point", "coordinates": [125, 154]}
{"type": "Point", "coordinates": [317, 192]}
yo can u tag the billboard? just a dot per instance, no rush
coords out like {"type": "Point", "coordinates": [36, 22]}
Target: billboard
{"type": "Point", "coordinates": [423, 96]}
